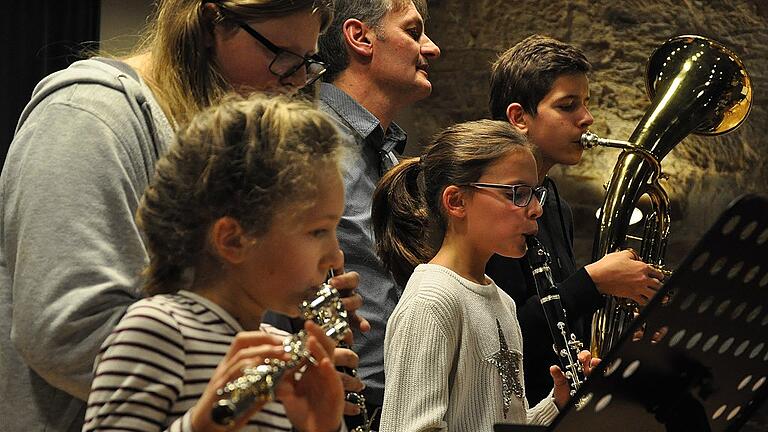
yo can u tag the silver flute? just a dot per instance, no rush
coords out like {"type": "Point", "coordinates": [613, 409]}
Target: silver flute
{"type": "Point", "coordinates": [566, 345]}
{"type": "Point", "coordinates": [258, 383]}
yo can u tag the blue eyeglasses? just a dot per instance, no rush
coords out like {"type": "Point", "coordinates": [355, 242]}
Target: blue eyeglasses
{"type": "Point", "coordinates": [520, 194]}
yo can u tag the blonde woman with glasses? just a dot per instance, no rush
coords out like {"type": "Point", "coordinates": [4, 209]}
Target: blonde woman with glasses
{"type": "Point", "coordinates": [84, 151]}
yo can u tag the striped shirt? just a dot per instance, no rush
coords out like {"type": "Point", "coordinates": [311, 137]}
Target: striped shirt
{"type": "Point", "coordinates": [157, 362]}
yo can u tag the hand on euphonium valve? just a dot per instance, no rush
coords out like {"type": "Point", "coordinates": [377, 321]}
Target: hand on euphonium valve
{"type": "Point", "coordinates": [562, 389]}
{"type": "Point", "coordinates": [622, 274]}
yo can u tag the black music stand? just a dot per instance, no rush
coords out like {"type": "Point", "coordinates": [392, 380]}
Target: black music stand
{"type": "Point", "coordinates": [702, 363]}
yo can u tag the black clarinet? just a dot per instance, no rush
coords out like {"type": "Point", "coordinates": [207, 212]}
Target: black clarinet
{"type": "Point", "coordinates": [358, 399]}
{"type": "Point", "coordinates": [355, 398]}
{"type": "Point", "coordinates": [566, 346]}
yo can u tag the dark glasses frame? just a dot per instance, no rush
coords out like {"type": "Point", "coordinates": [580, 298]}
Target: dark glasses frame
{"type": "Point", "coordinates": [314, 67]}
{"type": "Point", "coordinates": [286, 62]}
{"type": "Point", "coordinates": [539, 192]}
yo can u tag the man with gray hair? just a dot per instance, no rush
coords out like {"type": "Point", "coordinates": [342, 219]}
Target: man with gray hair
{"type": "Point", "coordinates": [377, 55]}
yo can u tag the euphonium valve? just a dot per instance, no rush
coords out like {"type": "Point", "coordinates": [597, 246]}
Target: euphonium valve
{"type": "Point", "coordinates": [696, 86]}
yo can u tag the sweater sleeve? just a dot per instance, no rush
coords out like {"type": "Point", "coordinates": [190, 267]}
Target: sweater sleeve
{"type": "Point", "coordinates": [139, 374]}
{"type": "Point", "coordinates": [543, 413]}
{"type": "Point", "coordinates": [419, 351]}
{"type": "Point", "coordinates": [71, 244]}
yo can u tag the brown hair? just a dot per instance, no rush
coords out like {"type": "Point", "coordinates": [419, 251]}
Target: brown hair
{"type": "Point", "coordinates": [183, 76]}
{"type": "Point", "coordinates": [248, 159]}
{"type": "Point", "coordinates": [525, 73]}
{"type": "Point", "coordinates": [408, 219]}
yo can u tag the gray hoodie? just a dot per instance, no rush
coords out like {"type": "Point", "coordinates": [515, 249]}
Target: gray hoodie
{"type": "Point", "coordinates": [70, 251]}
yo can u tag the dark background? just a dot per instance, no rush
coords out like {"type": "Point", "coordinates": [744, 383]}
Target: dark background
{"type": "Point", "coordinates": [40, 37]}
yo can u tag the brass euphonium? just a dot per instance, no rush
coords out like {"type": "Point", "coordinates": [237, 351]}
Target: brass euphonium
{"type": "Point", "coordinates": [696, 86]}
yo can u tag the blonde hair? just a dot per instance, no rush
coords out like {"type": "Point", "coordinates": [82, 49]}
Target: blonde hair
{"type": "Point", "coordinates": [248, 159]}
{"type": "Point", "coordinates": [407, 217]}
{"type": "Point", "coordinates": [183, 76]}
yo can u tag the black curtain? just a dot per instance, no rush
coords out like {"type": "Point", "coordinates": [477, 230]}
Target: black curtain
{"type": "Point", "coordinates": [40, 37]}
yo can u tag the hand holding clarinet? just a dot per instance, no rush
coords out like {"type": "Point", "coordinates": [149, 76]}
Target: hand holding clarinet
{"type": "Point", "coordinates": [575, 364]}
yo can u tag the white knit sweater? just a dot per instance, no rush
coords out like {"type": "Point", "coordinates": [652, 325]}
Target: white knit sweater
{"type": "Point", "coordinates": [438, 344]}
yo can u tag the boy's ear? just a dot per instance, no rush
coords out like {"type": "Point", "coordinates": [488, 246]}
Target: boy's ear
{"type": "Point", "coordinates": [358, 37]}
{"type": "Point", "coordinates": [517, 116]}
{"type": "Point", "coordinates": [229, 240]}
{"type": "Point", "coordinates": [454, 201]}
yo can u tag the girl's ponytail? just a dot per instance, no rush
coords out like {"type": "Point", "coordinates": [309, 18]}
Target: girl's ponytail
{"type": "Point", "coordinates": [408, 218]}
{"type": "Point", "coordinates": [400, 220]}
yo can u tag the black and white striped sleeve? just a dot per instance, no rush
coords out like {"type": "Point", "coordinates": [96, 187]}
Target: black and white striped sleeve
{"type": "Point", "coordinates": [139, 373]}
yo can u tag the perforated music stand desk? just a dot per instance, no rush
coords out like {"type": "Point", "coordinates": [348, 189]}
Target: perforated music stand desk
{"type": "Point", "coordinates": [702, 363]}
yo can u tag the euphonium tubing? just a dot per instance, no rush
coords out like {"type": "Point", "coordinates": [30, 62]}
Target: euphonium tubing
{"type": "Point", "coordinates": [697, 86]}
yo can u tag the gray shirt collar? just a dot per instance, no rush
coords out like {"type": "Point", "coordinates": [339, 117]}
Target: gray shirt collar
{"type": "Point", "coordinates": [360, 120]}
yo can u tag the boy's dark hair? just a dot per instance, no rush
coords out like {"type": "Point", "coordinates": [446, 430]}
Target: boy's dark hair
{"type": "Point", "coordinates": [525, 72]}
{"type": "Point", "coordinates": [333, 48]}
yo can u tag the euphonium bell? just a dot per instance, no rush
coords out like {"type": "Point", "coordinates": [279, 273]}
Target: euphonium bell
{"type": "Point", "coordinates": [696, 86]}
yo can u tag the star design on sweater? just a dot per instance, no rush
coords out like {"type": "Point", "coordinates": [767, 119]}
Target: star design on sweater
{"type": "Point", "coordinates": [508, 364]}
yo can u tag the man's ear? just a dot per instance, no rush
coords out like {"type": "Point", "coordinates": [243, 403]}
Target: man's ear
{"type": "Point", "coordinates": [229, 240]}
{"type": "Point", "coordinates": [358, 37]}
{"type": "Point", "coordinates": [518, 117]}
{"type": "Point", "coordinates": [454, 201]}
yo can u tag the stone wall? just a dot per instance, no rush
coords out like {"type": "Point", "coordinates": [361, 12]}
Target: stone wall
{"type": "Point", "coordinates": [705, 173]}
